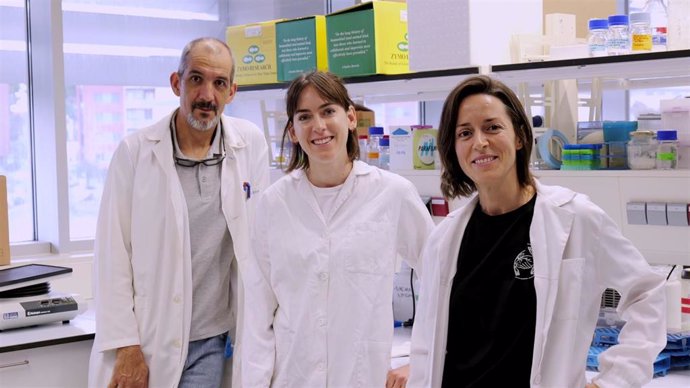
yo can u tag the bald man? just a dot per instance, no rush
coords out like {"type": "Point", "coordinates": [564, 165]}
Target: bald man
{"type": "Point", "coordinates": [172, 233]}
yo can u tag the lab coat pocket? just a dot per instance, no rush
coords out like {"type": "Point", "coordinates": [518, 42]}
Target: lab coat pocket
{"type": "Point", "coordinates": [367, 248]}
{"type": "Point", "coordinates": [373, 362]}
{"type": "Point", "coordinates": [569, 289]}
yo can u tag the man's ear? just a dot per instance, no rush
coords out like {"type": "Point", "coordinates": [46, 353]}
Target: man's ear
{"type": "Point", "coordinates": [175, 83]}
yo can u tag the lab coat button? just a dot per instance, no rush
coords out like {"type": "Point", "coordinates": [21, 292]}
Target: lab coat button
{"type": "Point", "coordinates": [323, 276]}
{"type": "Point", "coordinates": [322, 322]}
{"type": "Point", "coordinates": [177, 299]}
{"type": "Point", "coordinates": [322, 366]}
{"type": "Point", "coordinates": [177, 343]}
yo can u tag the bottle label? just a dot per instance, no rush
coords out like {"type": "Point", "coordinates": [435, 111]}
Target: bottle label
{"type": "Point", "coordinates": [372, 155]}
{"type": "Point", "coordinates": [666, 156]}
{"type": "Point", "coordinates": [597, 50]}
{"type": "Point", "coordinates": [642, 42]}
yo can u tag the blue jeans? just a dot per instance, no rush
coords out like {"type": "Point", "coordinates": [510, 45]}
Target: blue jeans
{"type": "Point", "coordinates": [205, 362]}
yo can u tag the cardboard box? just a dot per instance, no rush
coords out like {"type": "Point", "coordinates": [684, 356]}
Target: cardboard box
{"type": "Point", "coordinates": [4, 223]}
{"type": "Point", "coordinates": [425, 153]}
{"type": "Point", "coordinates": [365, 119]}
{"type": "Point", "coordinates": [301, 46]}
{"type": "Point", "coordinates": [447, 34]}
{"type": "Point", "coordinates": [254, 48]}
{"type": "Point", "coordinates": [370, 38]}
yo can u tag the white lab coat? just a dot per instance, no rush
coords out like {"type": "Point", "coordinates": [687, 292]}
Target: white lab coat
{"type": "Point", "coordinates": [143, 269]}
{"type": "Point", "coordinates": [578, 252]}
{"type": "Point", "coordinates": [318, 309]}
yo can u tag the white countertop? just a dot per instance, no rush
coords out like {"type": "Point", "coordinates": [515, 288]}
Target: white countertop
{"type": "Point", "coordinates": [679, 378]}
{"type": "Point", "coordinates": [81, 328]}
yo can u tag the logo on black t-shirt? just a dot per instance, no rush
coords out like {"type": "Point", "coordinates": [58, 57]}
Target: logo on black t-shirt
{"type": "Point", "coordinates": [523, 265]}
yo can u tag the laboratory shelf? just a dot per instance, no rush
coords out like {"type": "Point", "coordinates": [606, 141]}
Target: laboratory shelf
{"type": "Point", "coordinates": [424, 85]}
{"type": "Point", "coordinates": [632, 70]}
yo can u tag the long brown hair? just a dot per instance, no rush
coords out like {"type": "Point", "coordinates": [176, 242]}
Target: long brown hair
{"type": "Point", "coordinates": [331, 88]}
{"type": "Point", "coordinates": [454, 182]}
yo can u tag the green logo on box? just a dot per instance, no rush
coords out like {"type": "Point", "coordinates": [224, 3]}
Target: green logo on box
{"type": "Point", "coordinates": [247, 59]}
{"type": "Point", "coordinates": [253, 49]}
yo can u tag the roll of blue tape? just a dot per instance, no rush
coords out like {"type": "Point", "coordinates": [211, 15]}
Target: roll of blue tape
{"type": "Point", "coordinates": [544, 147]}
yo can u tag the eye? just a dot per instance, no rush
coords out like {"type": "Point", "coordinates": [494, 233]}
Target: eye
{"type": "Point", "coordinates": [303, 117]}
{"type": "Point", "coordinates": [463, 133]}
{"type": "Point", "coordinates": [195, 78]}
{"type": "Point", "coordinates": [494, 128]}
{"type": "Point", "coordinates": [220, 83]}
{"type": "Point", "coordinates": [329, 111]}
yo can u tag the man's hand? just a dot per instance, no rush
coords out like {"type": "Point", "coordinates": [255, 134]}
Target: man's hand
{"type": "Point", "coordinates": [591, 385]}
{"type": "Point", "coordinates": [130, 369]}
{"type": "Point", "coordinates": [397, 378]}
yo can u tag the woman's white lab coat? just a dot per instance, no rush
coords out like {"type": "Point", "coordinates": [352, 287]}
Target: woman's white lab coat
{"type": "Point", "coordinates": [143, 282]}
{"type": "Point", "coordinates": [318, 309]}
{"type": "Point", "coordinates": [578, 252]}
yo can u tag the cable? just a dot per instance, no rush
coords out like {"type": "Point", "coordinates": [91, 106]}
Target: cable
{"type": "Point", "coordinates": [669, 274]}
{"type": "Point", "coordinates": [410, 321]}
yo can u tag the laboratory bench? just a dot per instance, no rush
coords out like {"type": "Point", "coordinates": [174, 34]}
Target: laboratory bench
{"type": "Point", "coordinates": [50, 355]}
{"type": "Point", "coordinates": [401, 350]}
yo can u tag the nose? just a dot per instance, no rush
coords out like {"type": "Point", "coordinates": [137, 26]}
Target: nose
{"type": "Point", "coordinates": [319, 123]}
{"type": "Point", "coordinates": [206, 91]}
{"type": "Point", "coordinates": [480, 141]}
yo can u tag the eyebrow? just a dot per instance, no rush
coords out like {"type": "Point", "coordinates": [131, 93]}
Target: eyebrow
{"type": "Point", "coordinates": [197, 72]}
{"type": "Point", "coordinates": [320, 107]}
{"type": "Point", "coordinates": [489, 120]}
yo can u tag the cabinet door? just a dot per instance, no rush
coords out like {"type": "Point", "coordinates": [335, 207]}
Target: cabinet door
{"type": "Point", "coordinates": [63, 366]}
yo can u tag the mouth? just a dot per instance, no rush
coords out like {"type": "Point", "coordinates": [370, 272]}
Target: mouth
{"type": "Point", "coordinates": [323, 140]}
{"type": "Point", "coordinates": [205, 107]}
{"type": "Point", "coordinates": [484, 160]}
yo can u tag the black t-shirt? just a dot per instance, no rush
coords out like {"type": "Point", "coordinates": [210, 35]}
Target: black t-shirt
{"type": "Point", "coordinates": [492, 311]}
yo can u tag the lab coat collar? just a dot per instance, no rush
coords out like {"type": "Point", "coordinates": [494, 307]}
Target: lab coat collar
{"type": "Point", "coordinates": [358, 168]}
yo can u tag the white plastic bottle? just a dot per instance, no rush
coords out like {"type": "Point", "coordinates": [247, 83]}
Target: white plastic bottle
{"type": "Point", "coordinates": [658, 15]}
{"type": "Point", "coordinates": [685, 299]}
{"type": "Point", "coordinates": [597, 38]}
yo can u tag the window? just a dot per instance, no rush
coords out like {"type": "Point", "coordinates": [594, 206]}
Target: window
{"type": "Point", "coordinates": [15, 134]}
{"type": "Point", "coordinates": [117, 81]}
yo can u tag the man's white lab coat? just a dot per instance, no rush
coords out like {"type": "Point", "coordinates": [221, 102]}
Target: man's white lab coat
{"type": "Point", "coordinates": [143, 268]}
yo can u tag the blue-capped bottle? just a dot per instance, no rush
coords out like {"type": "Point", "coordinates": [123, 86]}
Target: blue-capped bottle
{"type": "Point", "coordinates": [618, 42]}
{"type": "Point", "coordinates": [373, 148]}
{"type": "Point", "coordinates": [598, 37]}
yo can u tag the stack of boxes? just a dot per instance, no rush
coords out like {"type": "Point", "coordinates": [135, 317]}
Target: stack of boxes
{"type": "Point", "coordinates": [369, 38]}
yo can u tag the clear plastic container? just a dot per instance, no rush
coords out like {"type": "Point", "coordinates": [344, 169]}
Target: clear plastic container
{"type": "Point", "coordinates": [597, 38]}
{"type": "Point", "coordinates": [373, 149]}
{"type": "Point", "coordinates": [667, 151]}
{"type": "Point", "coordinates": [618, 42]}
{"type": "Point", "coordinates": [659, 23]}
{"type": "Point", "coordinates": [642, 150]}
{"type": "Point", "coordinates": [384, 153]}
{"type": "Point", "coordinates": [640, 32]}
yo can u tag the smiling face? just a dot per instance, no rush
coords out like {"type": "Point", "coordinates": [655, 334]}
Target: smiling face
{"type": "Point", "coordinates": [485, 141]}
{"type": "Point", "coordinates": [322, 128]}
{"type": "Point", "coordinates": [205, 86]}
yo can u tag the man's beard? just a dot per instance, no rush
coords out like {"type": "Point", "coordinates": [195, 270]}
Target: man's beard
{"type": "Point", "coordinates": [202, 125]}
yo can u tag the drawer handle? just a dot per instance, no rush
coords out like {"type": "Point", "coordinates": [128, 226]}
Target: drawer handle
{"type": "Point", "coordinates": [19, 363]}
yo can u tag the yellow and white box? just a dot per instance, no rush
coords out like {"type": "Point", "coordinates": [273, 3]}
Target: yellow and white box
{"type": "Point", "coordinates": [425, 153]}
{"type": "Point", "coordinates": [254, 48]}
